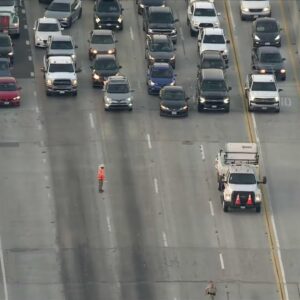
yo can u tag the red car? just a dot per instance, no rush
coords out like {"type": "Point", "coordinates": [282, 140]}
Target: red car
{"type": "Point", "coordinates": [9, 92]}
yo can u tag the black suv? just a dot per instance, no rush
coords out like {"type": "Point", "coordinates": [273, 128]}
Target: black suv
{"type": "Point", "coordinates": [6, 47]}
{"type": "Point", "coordinates": [212, 90]}
{"type": "Point", "coordinates": [212, 59]}
{"type": "Point", "coordinates": [108, 15]}
{"type": "Point", "coordinates": [144, 4]}
{"type": "Point", "coordinates": [160, 20]}
{"type": "Point", "coordinates": [159, 48]}
{"type": "Point", "coordinates": [268, 60]}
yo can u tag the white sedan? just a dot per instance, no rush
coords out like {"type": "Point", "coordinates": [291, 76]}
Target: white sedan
{"type": "Point", "coordinates": [44, 28]}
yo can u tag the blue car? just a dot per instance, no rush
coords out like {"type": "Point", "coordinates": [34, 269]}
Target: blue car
{"type": "Point", "coordinates": [158, 76]}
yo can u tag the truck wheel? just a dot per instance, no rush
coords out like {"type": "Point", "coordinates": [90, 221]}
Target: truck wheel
{"type": "Point", "coordinates": [192, 32]}
{"type": "Point", "coordinates": [225, 206]}
{"type": "Point", "coordinates": [199, 108]}
{"type": "Point", "coordinates": [257, 208]}
{"type": "Point", "coordinates": [74, 93]}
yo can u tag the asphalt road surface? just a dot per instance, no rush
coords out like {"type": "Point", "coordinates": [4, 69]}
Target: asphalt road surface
{"type": "Point", "coordinates": [158, 231]}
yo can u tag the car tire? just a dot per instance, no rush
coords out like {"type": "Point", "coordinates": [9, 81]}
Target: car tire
{"type": "Point", "coordinates": [70, 23]}
{"type": "Point", "coordinates": [250, 108]}
{"type": "Point", "coordinates": [48, 93]}
{"type": "Point", "coordinates": [149, 92]}
{"type": "Point", "coordinates": [227, 109]}
{"type": "Point", "coordinates": [121, 27]}
{"type": "Point", "coordinates": [130, 108]}
{"type": "Point", "coordinates": [242, 17]}
{"type": "Point", "coordinates": [187, 22]}
{"type": "Point", "coordinates": [106, 108]}
{"type": "Point", "coordinates": [225, 206]}
{"type": "Point", "coordinates": [199, 108]}
{"type": "Point", "coordinates": [258, 208]}
{"type": "Point", "coordinates": [192, 32]}
{"type": "Point", "coordinates": [74, 93]}
{"type": "Point", "coordinates": [277, 110]}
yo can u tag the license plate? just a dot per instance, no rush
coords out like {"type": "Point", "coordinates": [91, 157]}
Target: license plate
{"type": "Point", "coordinates": [256, 16]}
{"type": "Point", "coordinates": [109, 24]}
{"type": "Point", "coordinates": [243, 207]}
{"type": "Point", "coordinates": [264, 108]}
{"type": "Point", "coordinates": [61, 92]}
{"type": "Point", "coordinates": [6, 102]}
{"type": "Point", "coordinates": [267, 44]}
{"type": "Point", "coordinates": [174, 113]}
{"type": "Point", "coordinates": [214, 106]}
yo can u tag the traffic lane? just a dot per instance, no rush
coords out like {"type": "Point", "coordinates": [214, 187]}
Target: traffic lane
{"type": "Point", "coordinates": [23, 65]}
{"type": "Point", "coordinates": [28, 235]}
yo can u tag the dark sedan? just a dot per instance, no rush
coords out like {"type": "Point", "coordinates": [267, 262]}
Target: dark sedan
{"type": "Point", "coordinates": [266, 32]}
{"type": "Point", "coordinates": [268, 60]}
{"type": "Point", "coordinates": [159, 48]}
{"type": "Point", "coordinates": [5, 68]}
{"type": "Point", "coordinates": [6, 47]}
{"type": "Point", "coordinates": [212, 59]}
{"type": "Point", "coordinates": [173, 102]}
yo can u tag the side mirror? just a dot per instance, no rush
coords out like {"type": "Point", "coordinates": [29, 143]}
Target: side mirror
{"type": "Point", "coordinates": [253, 67]}
{"type": "Point", "coordinates": [91, 67]}
{"type": "Point", "coordinates": [226, 66]}
{"type": "Point", "coordinates": [19, 88]}
{"type": "Point", "coordinates": [246, 88]}
{"type": "Point", "coordinates": [176, 20]}
{"type": "Point", "coordinates": [218, 14]}
{"type": "Point", "coordinates": [264, 180]}
{"type": "Point", "coordinates": [120, 67]}
{"type": "Point", "coordinates": [227, 41]}
{"type": "Point", "coordinates": [283, 59]}
{"type": "Point", "coordinates": [116, 41]}
{"type": "Point", "coordinates": [132, 91]}
{"type": "Point", "coordinates": [174, 48]}
{"type": "Point", "coordinates": [61, 28]}
{"type": "Point", "coordinates": [280, 90]}
{"type": "Point", "coordinates": [187, 98]}
{"type": "Point", "coordinates": [42, 69]}
{"type": "Point", "coordinates": [76, 46]}
{"type": "Point", "coordinates": [78, 70]}
{"type": "Point", "coordinates": [229, 88]}
{"type": "Point", "coordinates": [122, 9]}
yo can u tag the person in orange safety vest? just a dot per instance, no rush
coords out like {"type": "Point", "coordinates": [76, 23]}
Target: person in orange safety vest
{"type": "Point", "coordinates": [101, 177]}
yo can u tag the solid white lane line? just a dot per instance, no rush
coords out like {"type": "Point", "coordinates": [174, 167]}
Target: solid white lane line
{"type": "Point", "coordinates": [39, 126]}
{"type": "Point", "coordinates": [37, 110]}
{"type": "Point", "coordinates": [108, 223]}
{"type": "Point", "coordinates": [30, 58]}
{"type": "Point", "coordinates": [211, 208]}
{"type": "Point", "coordinates": [46, 177]}
{"type": "Point", "coordinates": [25, 26]}
{"type": "Point", "coordinates": [165, 239]}
{"type": "Point", "coordinates": [131, 33]}
{"type": "Point", "coordinates": [202, 152]}
{"type": "Point", "coordinates": [91, 120]}
{"type": "Point", "coordinates": [255, 127]}
{"type": "Point", "coordinates": [149, 141]}
{"type": "Point", "coordinates": [156, 185]}
{"type": "Point", "coordinates": [34, 94]}
{"type": "Point", "coordinates": [49, 195]}
{"type": "Point", "coordinates": [221, 261]}
{"type": "Point", "coordinates": [27, 42]}
{"type": "Point", "coordinates": [3, 271]}
{"type": "Point", "coordinates": [44, 160]}
{"type": "Point", "coordinates": [31, 74]}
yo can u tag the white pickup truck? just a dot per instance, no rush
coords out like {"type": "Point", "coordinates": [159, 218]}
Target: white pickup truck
{"type": "Point", "coordinates": [238, 176]}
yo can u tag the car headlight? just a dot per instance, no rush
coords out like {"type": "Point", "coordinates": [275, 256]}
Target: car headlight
{"type": "Point", "coordinates": [49, 82]}
{"type": "Point", "coordinates": [173, 82]}
{"type": "Point", "coordinates": [96, 76]}
{"type": "Point", "coordinates": [108, 99]}
{"type": "Point", "coordinates": [266, 9]}
{"type": "Point", "coordinates": [202, 100]}
{"type": "Point", "coordinates": [128, 99]}
{"type": "Point", "coordinates": [282, 71]}
{"type": "Point", "coordinates": [11, 53]}
{"type": "Point", "coordinates": [150, 30]}
{"type": "Point", "coordinates": [120, 19]}
{"type": "Point", "coordinates": [15, 24]}
{"type": "Point", "coordinates": [262, 71]}
{"type": "Point", "coordinates": [65, 19]}
{"type": "Point", "coordinates": [97, 19]}
{"type": "Point", "coordinates": [245, 9]}
{"type": "Point", "coordinates": [216, 24]}
{"type": "Point", "coordinates": [17, 98]}
{"type": "Point", "coordinates": [225, 51]}
{"type": "Point", "coordinates": [184, 107]}
{"type": "Point", "coordinates": [74, 82]}
{"type": "Point", "coordinates": [227, 196]}
{"type": "Point", "coordinates": [162, 107]}
{"type": "Point", "coordinates": [277, 98]}
{"type": "Point", "coordinates": [173, 31]}
{"type": "Point", "coordinates": [94, 51]}
{"type": "Point", "coordinates": [142, 5]}
{"type": "Point", "coordinates": [173, 57]}
{"type": "Point", "coordinates": [38, 39]}
{"type": "Point", "coordinates": [151, 57]}
{"type": "Point", "coordinates": [194, 23]}
{"type": "Point", "coordinates": [73, 56]}
{"type": "Point", "coordinates": [150, 82]}
{"type": "Point", "coordinates": [111, 51]}
{"type": "Point", "coordinates": [257, 197]}
{"type": "Point", "coordinates": [277, 37]}
{"type": "Point", "coordinates": [256, 38]}
{"type": "Point", "coordinates": [226, 100]}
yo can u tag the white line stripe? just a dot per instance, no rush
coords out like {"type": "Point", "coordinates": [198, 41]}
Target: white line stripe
{"type": "Point", "coordinates": [23, 11]}
{"type": "Point", "coordinates": [221, 261]}
{"type": "Point", "coordinates": [29, 58]}
{"type": "Point", "coordinates": [46, 177]}
{"type": "Point", "coordinates": [3, 271]}
{"type": "Point", "coordinates": [108, 223]}
{"type": "Point", "coordinates": [34, 93]}
{"type": "Point", "coordinates": [255, 127]}
{"type": "Point", "coordinates": [202, 152]}
{"type": "Point", "coordinates": [49, 195]}
{"type": "Point", "coordinates": [165, 239]}
{"type": "Point", "coordinates": [149, 141]}
{"type": "Point", "coordinates": [91, 120]}
{"type": "Point", "coordinates": [39, 127]}
{"type": "Point", "coordinates": [131, 33]}
{"type": "Point", "coordinates": [27, 42]}
{"type": "Point", "coordinates": [37, 110]}
{"type": "Point", "coordinates": [32, 74]}
{"type": "Point", "coordinates": [156, 185]}
{"type": "Point", "coordinates": [181, 33]}
{"type": "Point", "coordinates": [44, 160]}
{"type": "Point", "coordinates": [211, 208]}
{"type": "Point", "coordinates": [25, 26]}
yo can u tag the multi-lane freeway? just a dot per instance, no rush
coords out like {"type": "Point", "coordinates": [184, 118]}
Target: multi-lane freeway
{"type": "Point", "coordinates": [158, 231]}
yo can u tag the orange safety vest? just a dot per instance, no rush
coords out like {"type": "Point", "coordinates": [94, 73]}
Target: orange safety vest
{"type": "Point", "coordinates": [101, 174]}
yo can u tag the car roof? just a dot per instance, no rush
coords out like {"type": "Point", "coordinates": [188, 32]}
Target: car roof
{"type": "Point", "coordinates": [62, 1]}
{"type": "Point", "coordinates": [203, 4]}
{"type": "Point", "coordinates": [7, 79]}
{"type": "Point", "coordinates": [173, 88]}
{"type": "Point", "coordinates": [61, 38]}
{"type": "Point", "coordinates": [212, 54]}
{"type": "Point", "coordinates": [105, 56]}
{"type": "Point", "coordinates": [159, 9]}
{"type": "Point", "coordinates": [161, 65]}
{"type": "Point", "coordinates": [101, 32]}
{"type": "Point", "coordinates": [60, 59]}
{"type": "Point", "coordinates": [212, 73]}
{"type": "Point", "coordinates": [161, 37]}
{"type": "Point", "coordinates": [268, 49]}
{"type": "Point", "coordinates": [241, 169]}
{"type": "Point", "coordinates": [263, 77]}
{"type": "Point", "coordinates": [211, 30]}
{"type": "Point", "coordinates": [48, 20]}
{"type": "Point", "coordinates": [265, 19]}
{"type": "Point", "coordinates": [117, 79]}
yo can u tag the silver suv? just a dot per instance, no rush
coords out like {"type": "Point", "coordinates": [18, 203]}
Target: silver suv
{"type": "Point", "coordinates": [117, 93]}
{"type": "Point", "coordinates": [65, 11]}
{"type": "Point", "coordinates": [62, 45]}
{"type": "Point", "coordinates": [252, 9]}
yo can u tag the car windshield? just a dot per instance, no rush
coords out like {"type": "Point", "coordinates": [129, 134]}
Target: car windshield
{"type": "Point", "coordinates": [121, 88]}
{"type": "Point", "coordinates": [108, 6]}
{"type": "Point", "coordinates": [270, 58]}
{"type": "Point", "coordinates": [214, 85]}
{"type": "Point", "coordinates": [267, 27]}
{"type": "Point", "coordinates": [205, 12]}
{"type": "Point", "coordinates": [173, 95]}
{"type": "Point", "coordinates": [263, 86]}
{"type": "Point", "coordinates": [5, 42]}
{"type": "Point", "coordinates": [8, 86]}
{"type": "Point", "coordinates": [56, 6]}
{"type": "Point", "coordinates": [106, 64]}
{"type": "Point", "coordinates": [69, 68]}
{"type": "Point", "coordinates": [4, 65]}
{"type": "Point", "coordinates": [161, 47]}
{"type": "Point", "coordinates": [62, 45]}
{"type": "Point", "coordinates": [214, 39]}
{"type": "Point", "coordinates": [240, 178]}
{"type": "Point", "coordinates": [161, 17]}
{"type": "Point", "coordinates": [44, 27]}
{"type": "Point", "coordinates": [102, 39]}
{"type": "Point", "coordinates": [212, 63]}
{"type": "Point", "coordinates": [162, 73]}
{"type": "Point", "coordinates": [152, 2]}
{"type": "Point", "coordinates": [7, 2]}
